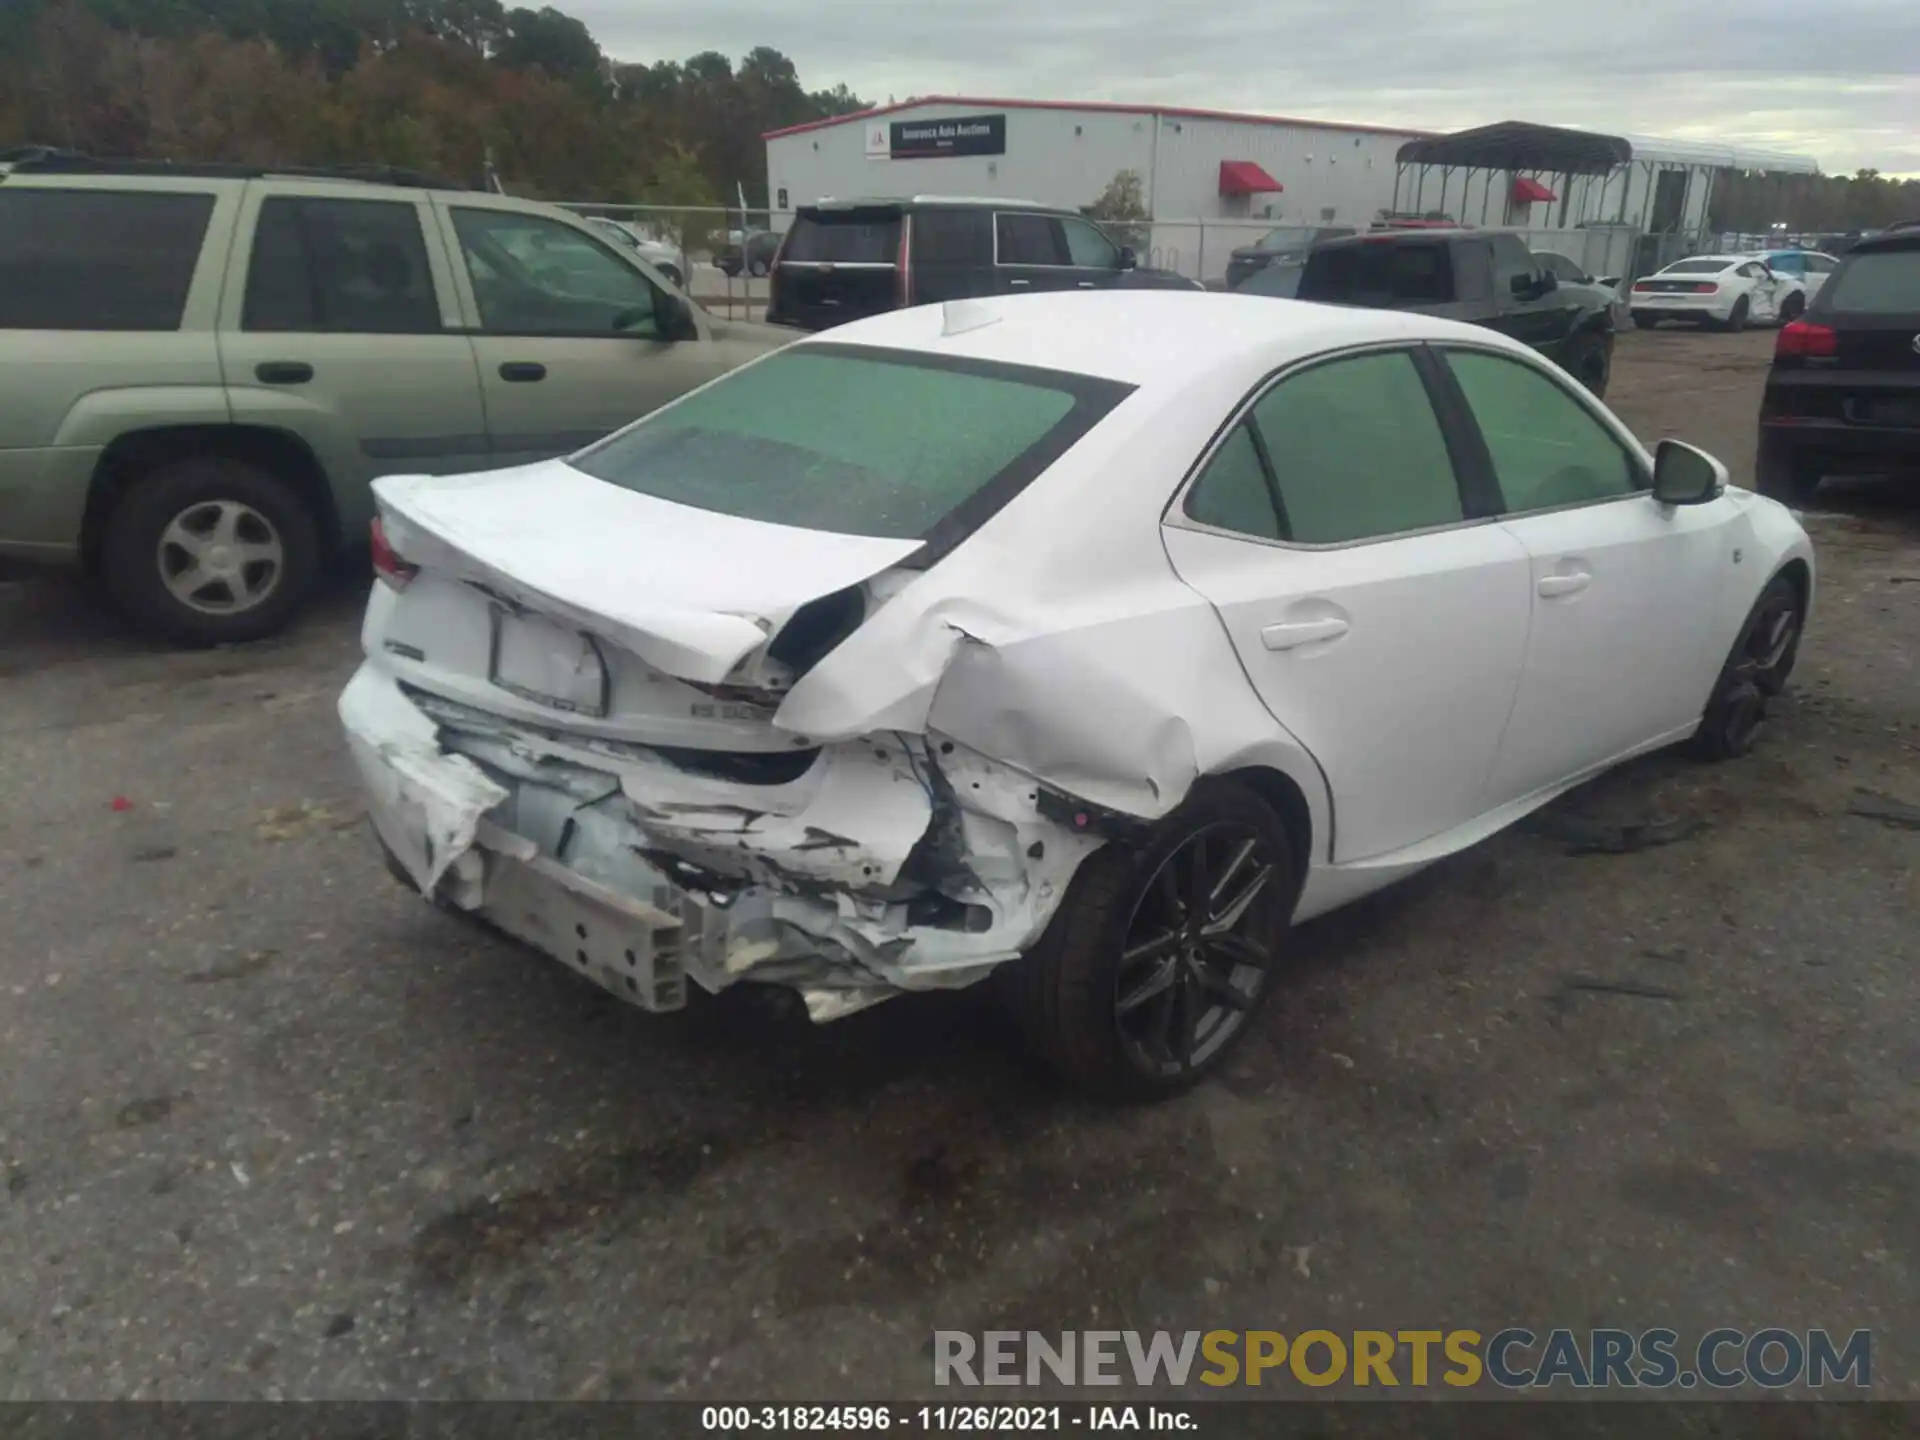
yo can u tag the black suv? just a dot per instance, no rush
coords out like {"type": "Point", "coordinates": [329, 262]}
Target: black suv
{"type": "Point", "coordinates": [845, 259]}
{"type": "Point", "coordinates": [1843, 396]}
{"type": "Point", "coordinates": [1286, 248]}
{"type": "Point", "coordinates": [1484, 277]}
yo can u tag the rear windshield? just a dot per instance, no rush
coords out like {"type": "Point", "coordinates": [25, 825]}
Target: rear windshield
{"type": "Point", "coordinates": [1886, 283]}
{"type": "Point", "coordinates": [1373, 273]}
{"type": "Point", "coordinates": [1696, 267]}
{"type": "Point", "coordinates": [855, 440]}
{"type": "Point", "coordinates": [856, 238]}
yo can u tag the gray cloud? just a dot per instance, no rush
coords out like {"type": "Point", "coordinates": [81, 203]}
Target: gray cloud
{"type": "Point", "coordinates": [1835, 79]}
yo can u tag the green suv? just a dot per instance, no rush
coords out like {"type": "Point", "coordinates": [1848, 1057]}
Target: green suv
{"type": "Point", "coordinates": [203, 368]}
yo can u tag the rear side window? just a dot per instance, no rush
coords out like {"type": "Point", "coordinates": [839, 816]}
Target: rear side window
{"type": "Point", "coordinates": [1357, 451]}
{"type": "Point", "coordinates": [854, 441]}
{"type": "Point", "coordinates": [1233, 492]}
{"type": "Point", "coordinates": [1374, 273]}
{"type": "Point", "coordinates": [1887, 283]}
{"type": "Point", "coordinates": [354, 266]}
{"type": "Point", "coordinates": [953, 237]}
{"type": "Point", "coordinates": [854, 238]}
{"type": "Point", "coordinates": [97, 259]}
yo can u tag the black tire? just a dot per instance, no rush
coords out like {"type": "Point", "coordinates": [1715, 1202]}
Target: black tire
{"type": "Point", "coordinates": [1794, 307]}
{"type": "Point", "coordinates": [1589, 359]}
{"type": "Point", "coordinates": [1645, 322]}
{"type": "Point", "coordinates": [1781, 475]}
{"type": "Point", "coordinates": [1065, 993]}
{"type": "Point", "coordinates": [1756, 670]}
{"type": "Point", "coordinates": [758, 269]}
{"type": "Point", "coordinates": [266, 509]}
{"type": "Point", "coordinates": [1737, 317]}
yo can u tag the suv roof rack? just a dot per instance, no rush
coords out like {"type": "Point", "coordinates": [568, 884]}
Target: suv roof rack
{"type": "Point", "coordinates": [51, 160]}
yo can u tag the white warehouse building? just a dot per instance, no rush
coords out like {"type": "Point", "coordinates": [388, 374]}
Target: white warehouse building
{"type": "Point", "coordinates": [1212, 180]}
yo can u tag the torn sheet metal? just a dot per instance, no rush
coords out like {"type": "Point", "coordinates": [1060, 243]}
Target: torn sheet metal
{"type": "Point", "coordinates": [895, 863]}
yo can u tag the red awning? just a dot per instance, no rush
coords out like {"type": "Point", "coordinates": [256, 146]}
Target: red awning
{"type": "Point", "coordinates": [1243, 177]}
{"type": "Point", "coordinates": [1526, 190]}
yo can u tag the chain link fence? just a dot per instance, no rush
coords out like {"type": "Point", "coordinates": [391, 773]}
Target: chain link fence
{"type": "Point", "coordinates": [723, 247]}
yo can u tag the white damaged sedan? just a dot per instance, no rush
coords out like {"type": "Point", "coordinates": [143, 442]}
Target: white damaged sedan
{"type": "Point", "coordinates": [1091, 639]}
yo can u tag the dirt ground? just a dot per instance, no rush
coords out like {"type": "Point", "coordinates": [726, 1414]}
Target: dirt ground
{"type": "Point", "coordinates": [272, 1127]}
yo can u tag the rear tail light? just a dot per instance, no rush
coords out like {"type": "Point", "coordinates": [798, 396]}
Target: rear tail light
{"type": "Point", "coordinates": [1706, 287]}
{"type": "Point", "coordinates": [900, 264]}
{"type": "Point", "coordinates": [1804, 340]}
{"type": "Point", "coordinates": [388, 567]}
{"type": "Point", "coordinates": [1643, 285]}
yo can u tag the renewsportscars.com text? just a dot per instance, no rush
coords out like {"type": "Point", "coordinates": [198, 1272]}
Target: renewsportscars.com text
{"type": "Point", "coordinates": [1513, 1358]}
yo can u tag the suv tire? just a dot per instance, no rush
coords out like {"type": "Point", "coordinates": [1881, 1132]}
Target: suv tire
{"type": "Point", "coordinates": [242, 527]}
{"type": "Point", "coordinates": [1589, 359]}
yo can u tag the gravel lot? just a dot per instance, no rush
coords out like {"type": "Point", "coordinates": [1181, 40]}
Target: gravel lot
{"type": "Point", "coordinates": [271, 1127]}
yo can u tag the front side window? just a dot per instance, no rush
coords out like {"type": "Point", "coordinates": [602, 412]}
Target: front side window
{"type": "Point", "coordinates": [1347, 450]}
{"type": "Point", "coordinates": [855, 441]}
{"type": "Point", "coordinates": [1820, 264]}
{"type": "Point", "coordinates": [1031, 240]}
{"type": "Point", "coordinates": [1088, 248]}
{"type": "Point", "coordinates": [536, 276]}
{"type": "Point", "coordinates": [343, 266]}
{"type": "Point", "coordinates": [1547, 448]}
{"type": "Point", "coordinates": [98, 259]}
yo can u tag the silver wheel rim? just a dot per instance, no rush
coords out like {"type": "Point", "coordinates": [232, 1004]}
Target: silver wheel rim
{"type": "Point", "coordinates": [220, 557]}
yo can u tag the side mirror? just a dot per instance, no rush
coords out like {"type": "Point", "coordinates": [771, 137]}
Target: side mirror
{"type": "Point", "coordinates": [1128, 260]}
{"type": "Point", "coordinates": [1683, 474]}
{"type": "Point", "coordinates": [673, 317]}
{"type": "Point", "coordinates": [1524, 286]}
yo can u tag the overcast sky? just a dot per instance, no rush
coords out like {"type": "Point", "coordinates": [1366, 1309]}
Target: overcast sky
{"type": "Point", "coordinates": [1836, 79]}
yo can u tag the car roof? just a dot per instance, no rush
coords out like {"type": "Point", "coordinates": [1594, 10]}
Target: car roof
{"type": "Point", "coordinates": [1886, 240]}
{"type": "Point", "coordinates": [1144, 337]}
{"type": "Point", "coordinates": [1722, 260]}
{"type": "Point", "coordinates": [927, 202]}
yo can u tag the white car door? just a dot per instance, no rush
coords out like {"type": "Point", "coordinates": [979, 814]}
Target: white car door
{"type": "Point", "coordinates": [1624, 589]}
{"type": "Point", "coordinates": [1381, 617]}
{"type": "Point", "coordinates": [1762, 292]}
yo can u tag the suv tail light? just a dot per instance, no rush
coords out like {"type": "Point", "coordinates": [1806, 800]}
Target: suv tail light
{"type": "Point", "coordinates": [1804, 340]}
{"type": "Point", "coordinates": [388, 567]}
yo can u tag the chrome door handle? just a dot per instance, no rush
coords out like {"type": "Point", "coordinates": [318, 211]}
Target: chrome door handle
{"type": "Point", "coordinates": [1556, 585]}
{"type": "Point", "coordinates": [1295, 633]}
{"type": "Point", "coordinates": [1019, 282]}
{"type": "Point", "coordinates": [1086, 285]}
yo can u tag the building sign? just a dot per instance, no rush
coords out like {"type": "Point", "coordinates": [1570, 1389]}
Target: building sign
{"type": "Point", "coordinates": [936, 139]}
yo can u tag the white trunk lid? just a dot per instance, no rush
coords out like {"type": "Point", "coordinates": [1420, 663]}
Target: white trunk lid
{"type": "Point", "coordinates": [691, 592]}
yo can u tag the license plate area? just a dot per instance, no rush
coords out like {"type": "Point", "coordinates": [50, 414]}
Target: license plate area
{"type": "Point", "coordinates": [548, 663]}
{"type": "Point", "coordinates": [1900, 411]}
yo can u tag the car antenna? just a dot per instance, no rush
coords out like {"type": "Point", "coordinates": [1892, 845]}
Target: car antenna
{"type": "Point", "coordinates": [959, 316]}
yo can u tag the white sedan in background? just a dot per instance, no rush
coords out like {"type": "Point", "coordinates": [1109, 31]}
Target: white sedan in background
{"type": "Point", "coordinates": [1084, 640]}
{"type": "Point", "coordinates": [669, 260]}
{"type": "Point", "coordinates": [1730, 292]}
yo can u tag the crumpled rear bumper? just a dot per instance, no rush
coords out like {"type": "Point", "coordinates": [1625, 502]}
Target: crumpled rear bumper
{"type": "Point", "coordinates": [895, 862]}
